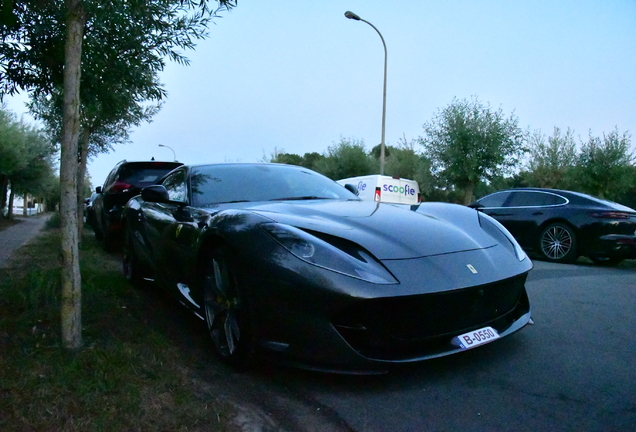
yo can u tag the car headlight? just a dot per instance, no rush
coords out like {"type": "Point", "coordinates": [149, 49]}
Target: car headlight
{"type": "Point", "coordinates": [497, 231]}
{"type": "Point", "coordinates": [345, 258]}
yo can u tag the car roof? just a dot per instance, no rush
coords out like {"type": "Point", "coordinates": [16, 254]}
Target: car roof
{"type": "Point", "coordinates": [151, 163]}
{"type": "Point", "coordinates": [568, 193]}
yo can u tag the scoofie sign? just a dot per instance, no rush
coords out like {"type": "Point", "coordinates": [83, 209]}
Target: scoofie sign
{"type": "Point", "coordinates": [385, 189]}
{"type": "Point", "coordinates": [398, 189]}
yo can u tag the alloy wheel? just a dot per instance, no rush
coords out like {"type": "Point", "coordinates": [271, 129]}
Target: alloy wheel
{"type": "Point", "coordinates": [223, 308]}
{"type": "Point", "coordinates": [558, 243]}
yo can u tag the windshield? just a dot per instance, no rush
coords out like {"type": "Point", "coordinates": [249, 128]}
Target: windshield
{"type": "Point", "coordinates": [225, 183]}
{"type": "Point", "coordinates": [142, 174]}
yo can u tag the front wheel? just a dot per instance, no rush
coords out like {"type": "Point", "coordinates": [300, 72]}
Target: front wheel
{"type": "Point", "coordinates": [226, 309]}
{"type": "Point", "coordinates": [558, 243]}
{"type": "Point", "coordinates": [130, 262]}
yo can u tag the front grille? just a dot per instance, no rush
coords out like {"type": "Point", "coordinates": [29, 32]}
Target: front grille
{"type": "Point", "coordinates": [410, 326]}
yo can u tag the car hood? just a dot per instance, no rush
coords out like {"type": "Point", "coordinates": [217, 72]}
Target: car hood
{"type": "Point", "coordinates": [387, 231]}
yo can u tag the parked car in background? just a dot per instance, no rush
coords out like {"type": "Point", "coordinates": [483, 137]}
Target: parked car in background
{"type": "Point", "coordinates": [126, 180]}
{"type": "Point", "coordinates": [89, 210]}
{"type": "Point", "coordinates": [281, 260]}
{"type": "Point", "coordinates": [563, 225]}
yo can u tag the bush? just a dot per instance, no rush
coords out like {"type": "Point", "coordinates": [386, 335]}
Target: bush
{"type": "Point", "coordinates": [54, 221]}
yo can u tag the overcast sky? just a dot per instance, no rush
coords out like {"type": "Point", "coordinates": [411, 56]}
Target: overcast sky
{"type": "Point", "coordinates": [297, 75]}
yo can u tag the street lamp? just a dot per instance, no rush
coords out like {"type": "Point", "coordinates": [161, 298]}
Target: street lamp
{"type": "Point", "coordinates": [353, 16]}
{"type": "Point", "coordinates": [174, 157]}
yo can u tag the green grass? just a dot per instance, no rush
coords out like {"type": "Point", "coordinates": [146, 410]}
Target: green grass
{"type": "Point", "coordinates": [127, 376]}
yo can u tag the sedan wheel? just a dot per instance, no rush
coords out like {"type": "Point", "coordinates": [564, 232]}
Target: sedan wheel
{"type": "Point", "coordinates": [132, 271]}
{"type": "Point", "coordinates": [226, 312]}
{"type": "Point", "coordinates": [557, 243]}
{"type": "Point", "coordinates": [98, 234]}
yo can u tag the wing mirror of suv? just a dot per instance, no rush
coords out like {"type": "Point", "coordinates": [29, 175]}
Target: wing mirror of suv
{"type": "Point", "coordinates": [98, 189]}
{"type": "Point", "coordinates": [155, 193]}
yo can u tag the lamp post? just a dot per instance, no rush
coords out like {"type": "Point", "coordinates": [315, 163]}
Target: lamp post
{"type": "Point", "coordinates": [353, 16]}
{"type": "Point", "coordinates": [174, 157]}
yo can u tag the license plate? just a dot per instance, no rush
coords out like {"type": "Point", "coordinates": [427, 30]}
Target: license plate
{"type": "Point", "coordinates": [475, 338]}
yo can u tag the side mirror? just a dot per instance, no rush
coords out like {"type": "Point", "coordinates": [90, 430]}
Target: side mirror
{"type": "Point", "coordinates": [155, 193]}
{"type": "Point", "coordinates": [98, 189]}
{"type": "Point", "coordinates": [352, 188]}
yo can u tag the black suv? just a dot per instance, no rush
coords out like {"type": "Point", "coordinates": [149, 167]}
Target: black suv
{"type": "Point", "coordinates": [125, 181]}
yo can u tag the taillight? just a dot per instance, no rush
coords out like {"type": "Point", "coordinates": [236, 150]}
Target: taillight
{"type": "Point", "coordinates": [611, 215]}
{"type": "Point", "coordinates": [120, 187]}
{"type": "Point", "coordinates": [377, 195]}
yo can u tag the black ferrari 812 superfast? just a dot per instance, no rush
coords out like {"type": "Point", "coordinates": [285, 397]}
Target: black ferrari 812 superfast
{"type": "Point", "coordinates": [282, 262]}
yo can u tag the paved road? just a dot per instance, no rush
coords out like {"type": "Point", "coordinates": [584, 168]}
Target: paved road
{"type": "Point", "coordinates": [573, 370]}
{"type": "Point", "coordinates": [16, 235]}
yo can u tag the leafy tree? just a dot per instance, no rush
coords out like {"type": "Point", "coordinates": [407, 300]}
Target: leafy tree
{"type": "Point", "coordinates": [403, 161]}
{"type": "Point", "coordinates": [308, 160]}
{"type": "Point", "coordinates": [552, 159]}
{"type": "Point", "coordinates": [376, 152]}
{"type": "Point", "coordinates": [468, 141]}
{"type": "Point", "coordinates": [347, 158]}
{"type": "Point", "coordinates": [37, 168]}
{"type": "Point", "coordinates": [604, 165]}
{"type": "Point", "coordinates": [10, 151]}
{"type": "Point", "coordinates": [286, 158]}
{"type": "Point", "coordinates": [42, 52]}
{"type": "Point", "coordinates": [628, 197]}
{"type": "Point", "coordinates": [25, 157]}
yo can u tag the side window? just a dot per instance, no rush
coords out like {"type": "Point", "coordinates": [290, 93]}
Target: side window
{"type": "Point", "coordinates": [110, 179]}
{"type": "Point", "coordinates": [494, 200]}
{"type": "Point", "coordinates": [176, 186]}
{"type": "Point", "coordinates": [551, 199]}
{"type": "Point", "coordinates": [533, 199]}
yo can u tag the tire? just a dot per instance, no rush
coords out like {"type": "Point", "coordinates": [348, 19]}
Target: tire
{"type": "Point", "coordinates": [130, 263]}
{"type": "Point", "coordinates": [607, 261]}
{"type": "Point", "coordinates": [109, 243]}
{"type": "Point", "coordinates": [226, 310]}
{"type": "Point", "coordinates": [98, 234]}
{"type": "Point", "coordinates": [558, 243]}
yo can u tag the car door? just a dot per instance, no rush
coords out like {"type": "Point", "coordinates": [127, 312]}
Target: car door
{"type": "Point", "coordinates": [172, 235]}
{"type": "Point", "coordinates": [510, 208]}
{"type": "Point", "coordinates": [524, 214]}
{"type": "Point", "coordinates": [527, 210]}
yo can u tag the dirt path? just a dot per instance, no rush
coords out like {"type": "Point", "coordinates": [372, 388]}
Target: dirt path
{"type": "Point", "coordinates": [14, 236]}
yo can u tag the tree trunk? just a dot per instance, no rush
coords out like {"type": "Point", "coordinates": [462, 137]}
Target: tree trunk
{"type": "Point", "coordinates": [10, 209]}
{"type": "Point", "coordinates": [81, 173]}
{"type": "Point", "coordinates": [25, 205]}
{"type": "Point", "coordinates": [71, 314]}
{"type": "Point", "coordinates": [4, 184]}
{"type": "Point", "coordinates": [468, 193]}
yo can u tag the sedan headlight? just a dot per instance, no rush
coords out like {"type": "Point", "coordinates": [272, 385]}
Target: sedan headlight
{"type": "Point", "coordinates": [346, 258]}
{"type": "Point", "coordinates": [500, 233]}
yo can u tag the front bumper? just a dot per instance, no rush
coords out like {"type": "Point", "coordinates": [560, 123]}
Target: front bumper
{"type": "Point", "coordinates": [411, 328]}
{"type": "Point", "coordinates": [329, 322]}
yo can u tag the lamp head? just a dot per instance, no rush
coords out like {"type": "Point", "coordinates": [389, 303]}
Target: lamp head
{"type": "Point", "coordinates": [352, 16]}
